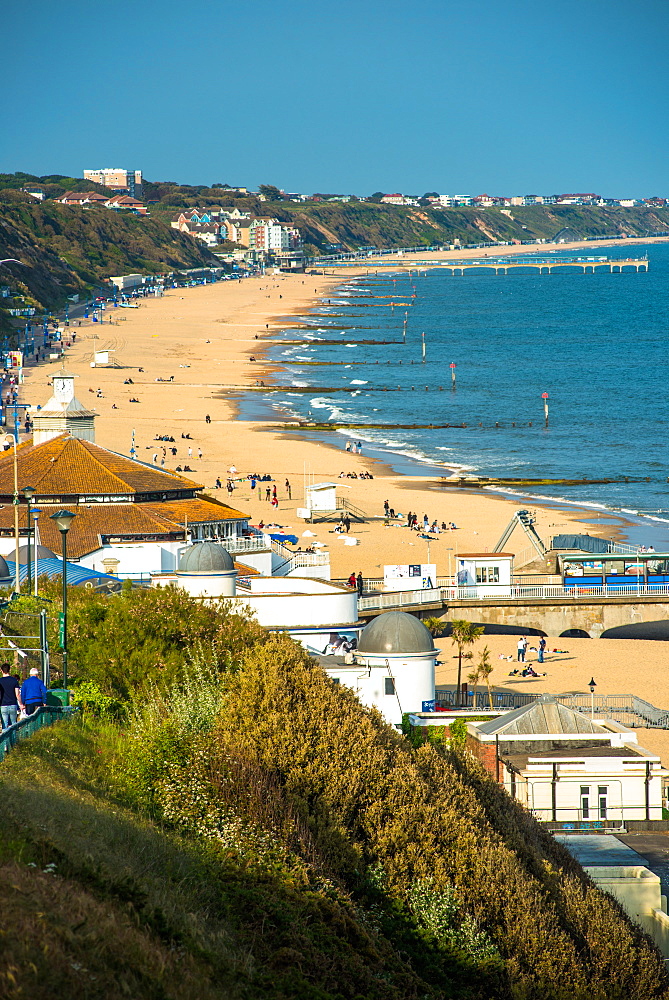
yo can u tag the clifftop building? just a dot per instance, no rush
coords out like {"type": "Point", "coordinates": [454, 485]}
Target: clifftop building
{"type": "Point", "coordinates": [127, 181]}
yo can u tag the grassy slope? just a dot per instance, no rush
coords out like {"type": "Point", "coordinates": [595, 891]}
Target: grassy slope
{"type": "Point", "coordinates": [132, 909]}
{"type": "Point", "coordinates": [69, 249]}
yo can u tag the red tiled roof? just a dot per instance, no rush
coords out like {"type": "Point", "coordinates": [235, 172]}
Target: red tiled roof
{"type": "Point", "coordinates": [123, 520]}
{"type": "Point", "coordinates": [69, 466]}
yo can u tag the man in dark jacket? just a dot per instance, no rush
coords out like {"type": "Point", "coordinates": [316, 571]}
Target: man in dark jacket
{"type": "Point", "coordinates": [10, 697]}
{"type": "Point", "coordinates": [33, 692]}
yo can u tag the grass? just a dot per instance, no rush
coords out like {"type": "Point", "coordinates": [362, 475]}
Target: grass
{"type": "Point", "coordinates": [106, 903]}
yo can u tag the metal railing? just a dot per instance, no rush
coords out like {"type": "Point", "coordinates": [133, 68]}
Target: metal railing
{"type": "Point", "coordinates": [254, 544]}
{"type": "Point", "coordinates": [400, 599]}
{"type": "Point", "coordinates": [44, 716]}
{"type": "Point", "coordinates": [548, 592]}
{"type": "Point", "coordinates": [628, 709]}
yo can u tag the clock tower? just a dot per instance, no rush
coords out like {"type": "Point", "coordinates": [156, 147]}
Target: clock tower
{"type": "Point", "coordinates": [63, 413]}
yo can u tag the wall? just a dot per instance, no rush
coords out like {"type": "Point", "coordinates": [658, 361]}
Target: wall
{"type": "Point", "coordinates": [637, 889]}
{"type": "Point", "coordinates": [300, 608]}
{"type": "Point", "coordinates": [414, 683]}
{"type": "Point", "coordinates": [556, 616]}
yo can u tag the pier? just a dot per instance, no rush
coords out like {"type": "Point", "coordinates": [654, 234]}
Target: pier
{"type": "Point", "coordinates": [503, 265]}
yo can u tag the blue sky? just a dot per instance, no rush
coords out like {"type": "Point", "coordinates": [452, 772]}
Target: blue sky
{"type": "Point", "coordinates": [512, 97]}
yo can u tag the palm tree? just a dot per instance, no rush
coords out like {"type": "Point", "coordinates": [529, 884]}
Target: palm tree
{"type": "Point", "coordinates": [463, 634]}
{"type": "Point", "coordinates": [473, 678]}
{"type": "Point", "coordinates": [485, 669]}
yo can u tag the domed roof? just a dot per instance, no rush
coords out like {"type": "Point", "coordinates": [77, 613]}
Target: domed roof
{"type": "Point", "coordinates": [42, 553]}
{"type": "Point", "coordinates": [4, 569]}
{"type": "Point", "coordinates": [395, 632]}
{"type": "Point", "coordinates": [205, 557]}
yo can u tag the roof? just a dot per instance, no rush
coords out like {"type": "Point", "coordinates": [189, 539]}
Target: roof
{"type": "Point", "coordinates": [519, 761]}
{"type": "Point", "coordinates": [486, 555]}
{"type": "Point", "coordinates": [582, 543]}
{"type": "Point", "coordinates": [205, 557]}
{"type": "Point", "coordinates": [143, 521]}
{"type": "Point", "coordinates": [395, 632]}
{"type": "Point", "coordinates": [76, 574]}
{"type": "Point", "coordinates": [67, 466]}
{"type": "Point", "coordinates": [545, 716]}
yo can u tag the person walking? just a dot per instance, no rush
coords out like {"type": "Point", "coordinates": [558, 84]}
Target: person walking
{"type": "Point", "coordinates": [542, 648]}
{"type": "Point", "coordinates": [521, 649]}
{"type": "Point", "coordinates": [208, 419]}
{"type": "Point", "coordinates": [10, 697]}
{"type": "Point", "coordinates": [268, 493]}
{"type": "Point", "coordinates": [386, 507]}
{"type": "Point", "coordinates": [360, 583]}
{"type": "Point", "coordinates": [347, 524]}
{"type": "Point", "coordinates": [288, 490]}
{"type": "Point", "coordinates": [33, 692]}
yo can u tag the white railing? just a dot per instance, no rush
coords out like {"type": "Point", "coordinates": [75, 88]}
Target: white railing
{"type": "Point", "coordinates": [239, 544]}
{"type": "Point", "coordinates": [552, 592]}
{"type": "Point", "coordinates": [298, 559]}
{"type": "Point", "coordinates": [400, 599]}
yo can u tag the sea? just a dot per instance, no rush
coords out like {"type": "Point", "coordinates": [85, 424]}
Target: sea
{"type": "Point", "coordinates": [597, 344]}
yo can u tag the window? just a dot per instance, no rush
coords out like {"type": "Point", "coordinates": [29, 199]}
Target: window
{"type": "Point", "coordinates": [335, 680]}
{"type": "Point", "coordinates": [390, 685]}
{"type": "Point", "coordinates": [585, 802]}
{"type": "Point", "coordinates": [602, 795]}
{"type": "Point", "coordinates": [487, 574]}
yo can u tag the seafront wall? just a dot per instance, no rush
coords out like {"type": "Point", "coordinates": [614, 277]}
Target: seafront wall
{"type": "Point", "coordinates": [593, 615]}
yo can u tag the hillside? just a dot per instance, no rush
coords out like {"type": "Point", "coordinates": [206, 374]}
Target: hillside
{"type": "Point", "coordinates": [226, 822]}
{"type": "Point", "coordinates": [66, 249]}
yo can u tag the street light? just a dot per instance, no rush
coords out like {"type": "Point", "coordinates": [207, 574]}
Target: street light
{"type": "Point", "coordinates": [64, 519]}
{"type": "Point", "coordinates": [36, 514]}
{"type": "Point", "coordinates": [10, 439]}
{"type": "Point", "coordinates": [29, 493]}
{"type": "Point", "coordinates": [592, 685]}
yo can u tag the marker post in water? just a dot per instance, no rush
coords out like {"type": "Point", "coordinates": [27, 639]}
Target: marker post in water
{"type": "Point", "coordinates": [422, 337]}
{"type": "Point", "coordinates": [544, 396]}
{"type": "Point", "coordinates": [452, 366]}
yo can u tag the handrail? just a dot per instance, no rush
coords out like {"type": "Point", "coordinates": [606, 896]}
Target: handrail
{"type": "Point", "coordinates": [44, 716]}
{"type": "Point", "coordinates": [549, 592]}
{"type": "Point", "coordinates": [606, 706]}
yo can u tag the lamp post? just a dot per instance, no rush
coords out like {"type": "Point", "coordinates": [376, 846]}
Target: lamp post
{"type": "Point", "coordinates": [29, 493]}
{"type": "Point", "coordinates": [63, 519]}
{"type": "Point", "coordinates": [36, 514]}
{"type": "Point", "coordinates": [11, 440]}
{"type": "Point", "coordinates": [592, 685]}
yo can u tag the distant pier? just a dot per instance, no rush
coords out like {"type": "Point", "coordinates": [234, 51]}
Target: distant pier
{"type": "Point", "coordinates": [547, 265]}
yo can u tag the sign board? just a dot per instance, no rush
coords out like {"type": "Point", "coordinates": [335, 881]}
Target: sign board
{"type": "Point", "coordinates": [412, 576]}
{"type": "Point", "coordinates": [15, 359]}
{"type": "Point", "coordinates": [429, 706]}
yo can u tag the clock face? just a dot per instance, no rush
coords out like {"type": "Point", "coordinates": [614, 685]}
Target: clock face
{"type": "Point", "coordinates": [63, 388]}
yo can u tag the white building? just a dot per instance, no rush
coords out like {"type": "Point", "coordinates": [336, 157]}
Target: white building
{"type": "Point", "coordinates": [484, 574]}
{"type": "Point", "coordinates": [393, 667]}
{"type": "Point", "coordinates": [318, 614]}
{"type": "Point", "coordinates": [566, 768]}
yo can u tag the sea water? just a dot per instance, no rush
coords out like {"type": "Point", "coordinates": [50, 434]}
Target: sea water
{"type": "Point", "coordinates": [596, 343]}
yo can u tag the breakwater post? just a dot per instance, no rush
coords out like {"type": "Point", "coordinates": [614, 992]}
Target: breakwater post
{"type": "Point", "coordinates": [422, 337]}
{"type": "Point", "coordinates": [544, 396]}
{"type": "Point", "coordinates": [453, 366]}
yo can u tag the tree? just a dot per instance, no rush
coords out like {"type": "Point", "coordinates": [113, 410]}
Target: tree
{"type": "Point", "coordinates": [270, 192]}
{"type": "Point", "coordinates": [434, 625]}
{"type": "Point", "coordinates": [463, 634]}
{"type": "Point", "coordinates": [485, 669]}
{"type": "Point", "coordinates": [473, 678]}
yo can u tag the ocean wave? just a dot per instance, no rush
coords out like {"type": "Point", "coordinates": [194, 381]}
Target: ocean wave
{"type": "Point", "coordinates": [359, 381]}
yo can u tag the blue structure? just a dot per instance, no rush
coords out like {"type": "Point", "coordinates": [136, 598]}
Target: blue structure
{"type": "Point", "coordinates": [76, 575]}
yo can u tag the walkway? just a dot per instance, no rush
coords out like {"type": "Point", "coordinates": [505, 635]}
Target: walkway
{"type": "Point", "coordinates": [28, 727]}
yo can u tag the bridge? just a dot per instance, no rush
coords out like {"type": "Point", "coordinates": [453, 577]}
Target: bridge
{"type": "Point", "coordinates": [551, 609]}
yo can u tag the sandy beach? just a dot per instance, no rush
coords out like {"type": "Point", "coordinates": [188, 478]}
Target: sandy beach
{"type": "Point", "coordinates": [189, 355]}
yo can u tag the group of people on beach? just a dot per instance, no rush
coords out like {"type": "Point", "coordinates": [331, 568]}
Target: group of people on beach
{"type": "Point", "coordinates": [356, 475]}
{"type": "Point", "coordinates": [416, 524]}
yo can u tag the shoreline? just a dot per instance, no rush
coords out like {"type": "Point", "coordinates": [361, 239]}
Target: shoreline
{"type": "Point", "coordinates": [214, 330]}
